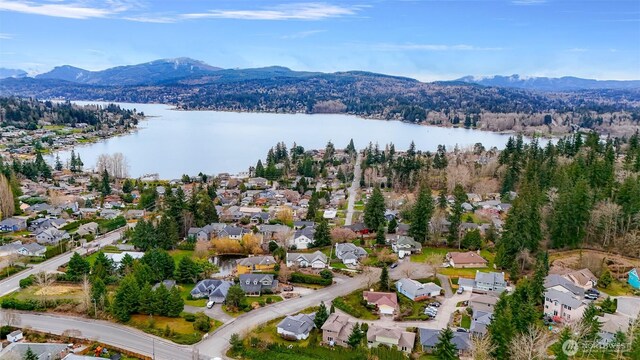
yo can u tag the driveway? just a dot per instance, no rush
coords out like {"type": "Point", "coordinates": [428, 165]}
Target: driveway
{"type": "Point", "coordinates": [215, 312]}
{"type": "Point", "coordinates": [353, 190]}
{"type": "Point", "coordinates": [408, 269]}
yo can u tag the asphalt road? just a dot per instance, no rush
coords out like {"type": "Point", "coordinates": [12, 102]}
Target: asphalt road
{"type": "Point", "coordinates": [12, 283]}
{"type": "Point", "coordinates": [353, 190]}
{"type": "Point", "coordinates": [108, 333]}
{"type": "Point", "coordinates": [217, 343]}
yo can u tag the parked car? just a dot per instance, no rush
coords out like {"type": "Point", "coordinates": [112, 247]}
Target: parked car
{"type": "Point", "coordinates": [591, 296]}
{"type": "Point", "coordinates": [462, 330]}
{"type": "Point", "coordinates": [435, 304]}
{"type": "Point", "coordinates": [460, 290]}
{"type": "Point", "coordinates": [593, 291]}
{"type": "Point", "coordinates": [394, 265]}
{"type": "Point", "coordinates": [430, 312]}
{"type": "Point", "coordinates": [210, 304]}
{"type": "Point", "coordinates": [287, 288]}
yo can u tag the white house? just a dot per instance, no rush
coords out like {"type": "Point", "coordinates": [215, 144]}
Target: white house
{"type": "Point", "coordinates": [316, 260]}
{"type": "Point", "coordinates": [51, 236]}
{"type": "Point", "coordinates": [563, 306]}
{"type": "Point", "coordinates": [296, 327]}
{"type": "Point", "coordinates": [117, 258]}
{"type": "Point", "coordinates": [303, 238]}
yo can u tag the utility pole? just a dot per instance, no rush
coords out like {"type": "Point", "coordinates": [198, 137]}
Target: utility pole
{"type": "Point", "coordinates": [95, 309]}
{"type": "Point", "coordinates": [153, 354]}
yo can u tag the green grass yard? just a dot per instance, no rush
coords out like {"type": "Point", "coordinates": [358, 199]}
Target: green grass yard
{"type": "Point", "coordinates": [353, 306]}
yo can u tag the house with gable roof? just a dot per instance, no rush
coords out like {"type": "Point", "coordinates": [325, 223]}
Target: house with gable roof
{"type": "Point", "coordinates": [316, 260]}
{"type": "Point", "coordinates": [296, 327]}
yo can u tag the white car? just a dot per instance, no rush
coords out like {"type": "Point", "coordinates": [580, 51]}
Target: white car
{"type": "Point", "coordinates": [210, 304]}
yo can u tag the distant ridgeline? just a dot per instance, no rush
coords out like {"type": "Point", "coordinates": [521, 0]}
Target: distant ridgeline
{"type": "Point", "coordinates": [190, 84]}
{"type": "Point", "coordinates": [31, 114]}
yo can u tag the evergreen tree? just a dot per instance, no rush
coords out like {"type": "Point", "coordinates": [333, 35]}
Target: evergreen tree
{"type": "Point", "coordinates": [440, 158]}
{"type": "Point", "coordinates": [445, 349]}
{"type": "Point", "coordinates": [332, 309]}
{"type": "Point", "coordinates": [565, 335]}
{"type": "Point", "coordinates": [98, 291]}
{"type": "Point", "coordinates": [356, 336]}
{"type": "Point", "coordinates": [321, 316]}
{"type": "Point", "coordinates": [421, 216]}
{"type": "Point", "coordinates": [384, 279]}
{"type": "Point", "coordinates": [235, 296]}
{"type": "Point", "coordinates": [127, 186]}
{"type": "Point", "coordinates": [147, 300]}
{"type": "Point", "coordinates": [351, 148]}
{"type": "Point", "coordinates": [58, 165]}
{"type": "Point", "coordinates": [126, 299]}
{"type": "Point", "coordinates": [73, 163]}
{"type": "Point", "coordinates": [571, 212]}
{"type": "Point", "coordinates": [175, 303]}
{"type": "Point", "coordinates": [501, 329]}
{"type": "Point", "coordinates": [634, 336]}
{"type": "Point", "coordinates": [455, 217]}
{"type": "Point", "coordinates": [102, 266]}
{"type": "Point", "coordinates": [442, 200]}
{"type": "Point", "coordinates": [187, 271]}
{"type": "Point", "coordinates": [590, 322]}
{"type": "Point", "coordinates": [167, 233]}
{"type": "Point", "coordinates": [144, 235]}
{"type": "Point", "coordinates": [472, 240]}
{"type": "Point", "coordinates": [259, 169]}
{"type": "Point", "coordinates": [160, 262]}
{"type": "Point", "coordinates": [374, 210]}
{"type": "Point", "coordinates": [605, 279]}
{"type": "Point", "coordinates": [380, 236]}
{"type": "Point", "coordinates": [322, 236]}
{"type": "Point", "coordinates": [105, 186]}
{"type": "Point", "coordinates": [160, 303]}
{"type": "Point", "coordinates": [30, 355]}
{"type": "Point", "coordinates": [536, 287]}
{"type": "Point", "coordinates": [314, 203]}
{"type": "Point", "coordinates": [78, 266]}
{"type": "Point", "coordinates": [393, 225]}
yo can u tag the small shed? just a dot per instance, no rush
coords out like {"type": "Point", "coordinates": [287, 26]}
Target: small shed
{"type": "Point", "coordinates": [15, 336]}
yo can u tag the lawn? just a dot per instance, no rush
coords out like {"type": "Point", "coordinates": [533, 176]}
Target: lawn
{"type": "Point", "coordinates": [466, 321]}
{"type": "Point", "coordinates": [618, 288]}
{"type": "Point", "coordinates": [177, 255]}
{"type": "Point", "coordinates": [92, 258]}
{"type": "Point", "coordinates": [185, 291]}
{"type": "Point", "coordinates": [432, 279]}
{"type": "Point", "coordinates": [411, 310]}
{"type": "Point", "coordinates": [338, 265]}
{"type": "Point", "coordinates": [54, 292]}
{"type": "Point", "coordinates": [261, 300]}
{"type": "Point", "coordinates": [269, 333]}
{"type": "Point", "coordinates": [176, 329]}
{"type": "Point", "coordinates": [352, 305]}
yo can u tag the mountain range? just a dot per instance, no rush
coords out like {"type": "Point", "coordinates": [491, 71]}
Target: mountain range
{"type": "Point", "coordinates": [190, 71]}
{"type": "Point", "coordinates": [566, 83]}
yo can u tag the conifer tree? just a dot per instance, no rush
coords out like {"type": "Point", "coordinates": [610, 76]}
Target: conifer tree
{"type": "Point", "coordinates": [374, 210]}
{"type": "Point", "coordinates": [445, 349]}
{"type": "Point", "coordinates": [421, 215]}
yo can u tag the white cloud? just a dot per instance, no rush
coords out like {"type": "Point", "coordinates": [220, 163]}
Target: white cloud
{"type": "Point", "coordinates": [297, 11]}
{"type": "Point", "coordinates": [5, 36]}
{"type": "Point", "coordinates": [302, 34]}
{"type": "Point", "coordinates": [433, 47]}
{"type": "Point", "coordinates": [577, 50]}
{"type": "Point", "coordinates": [64, 9]}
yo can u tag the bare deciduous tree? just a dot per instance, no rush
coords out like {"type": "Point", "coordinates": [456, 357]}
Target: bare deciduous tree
{"type": "Point", "coordinates": [340, 234]}
{"type": "Point", "coordinates": [201, 250]}
{"type": "Point", "coordinates": [434, 261]}
{"type": "Point", "coordinates": [44, 280]}
{"type": "Point", "coordinates": [6, 198]}
{"type": "Point", "coordinates": [481, 348]}
{"type": "Point", "coordinates": [10, 317]}
{"type": "Point", "coordinates": [531, 345]}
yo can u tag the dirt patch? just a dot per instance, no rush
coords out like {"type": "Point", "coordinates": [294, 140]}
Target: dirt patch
{"type": "Point", "coordinates": [56, 290]}
{"type": "Point", "coordinates": [594, 260]}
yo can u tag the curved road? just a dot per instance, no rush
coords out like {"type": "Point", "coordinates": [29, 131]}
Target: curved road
{"type": "Point", "coordinates": [353, 189]}
{"type": "Point", "coordinates": [12, 283]}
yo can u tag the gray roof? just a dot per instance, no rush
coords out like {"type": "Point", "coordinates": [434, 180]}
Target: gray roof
{"type": "Point", "coordinates": [415, 288]}
{"type": "Point", "coordinates": [235, 230]}
{"type": "Point", "coordinates": [298, 324]}
{"type": "Point", "coordinates": [429, 338]}
{"type": "Point", "coordinates": [12, 222]}
{"type": "Point", "coordinates": [257, 260]}
{"type": "Point", "coordinates": [490, 277]}
{"type": "Point", "coordinates": [563, 298]}
{"type": "Point", "coordinates": [211, 288]}
{"type": "Point", "coordinates": [309, 232]}
{"type": "Point", "coordinates": [42, 350]}
{"type": "Point", "coordinates": [343, 249]}
{"type": "Point", "coordinates": [309, 257]}
{"type": "Point", "coordinates": [466, 282]}
{"type": "Point", "coordinates": [558, 280]}
{"type": "Point", "coordinates": [408, 240]}
{"type": "Point", "coordinates": [257, 282]}
{"type": "Point", "coordinates": [167, 284]}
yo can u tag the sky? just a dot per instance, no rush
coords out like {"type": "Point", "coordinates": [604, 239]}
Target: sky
{"type": "Point", "coordinates": [424, 39]}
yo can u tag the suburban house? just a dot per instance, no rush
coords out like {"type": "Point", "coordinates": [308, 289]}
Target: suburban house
{"type": "Point", "coordinates": [484, 282]}
{"type": "Point", "coordinates": [387, 303]}
{"type": "Point", "coordinates": [257, 182]}
{"type": "Point", "coordinates": [563, 306]}
{"type": "Point", "coordinates": [13, 224]}
{"type": "Point", "coordinates": [583, 278]}
{"type": "Point", "coordinates": [45, 223]}
{"type": "Point", "coordinates": [303, 238]}
{"type": "Point", "coordinates": [336, 330]}
{"type": "Point", "coordinates": [233, 232]}
{"type": "Point", "coordinates": [215, 290]}
{"type": "Point", "coordinates": [17, 248]}
{"type": "Point", "coordinates": [168, 284]}
{"type": "Point", "coordinates": [256, 284]}
{"type": "Point", "coordinates": [134, 214]}
{"type": "Point", "coordinates": [255, 263]}
{"type": "Point", "coordinates": [299, 224]}
{"type": "Point", "coordinates": [611, 324]}
{"type": "Point", "coordinates": [296, 327]}
{"type": "Point", "coordinates": [417, 291]}
{"type": "Point", "coordinates": [316, 260]}
{"type": "Point", "coordinates": [87, 229]}
{"type": "Point", "coordinates": [406, 245]}
{"type": "Point", "coordinates": [484, 303]}
{"type": "Point", "coordinates": [429, 339]}
{"type": "Point", "coordinates": [359, 228]}
{"type": "Point", "coordinates": [633, 279]}
{"type": "Point", "coordinates": [467, 259]}
{"type": "Point", "coordinates": [271, 232]}
{"type": "Point", "coordinates": [349, 253]}
{"type": "Point", "coordinates": [560, 283]}
{"type": "Point", "coordinates": [117, 258]}
{"type": "Point", "coordinates": [403, 340]}
{"type": "Point", "coordinates": [43, 351]}
{"type": "Point", "coordinates": [51, 236]}
{"type": "Point", "coordinates": [479, 322]}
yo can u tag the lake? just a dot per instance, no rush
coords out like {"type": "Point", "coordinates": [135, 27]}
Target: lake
{"type": "Point", "coordinates": [172, 143]}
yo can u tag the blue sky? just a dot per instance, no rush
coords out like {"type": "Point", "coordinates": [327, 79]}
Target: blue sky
{"type": "Point", "coordinates": [428, 40]}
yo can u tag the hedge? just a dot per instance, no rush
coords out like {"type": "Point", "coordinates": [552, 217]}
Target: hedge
{"type": "Point", "coordinates": [301, 278]}
{"type": "Point", "coordinates": [26, 282]}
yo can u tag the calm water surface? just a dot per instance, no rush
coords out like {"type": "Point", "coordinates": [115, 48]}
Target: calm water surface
{"type": "Point", "coordinates": [172, 143]}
